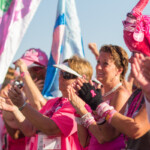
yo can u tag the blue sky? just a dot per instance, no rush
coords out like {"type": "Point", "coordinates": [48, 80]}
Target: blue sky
{"type": "Point", "coordinates": [101, 22]}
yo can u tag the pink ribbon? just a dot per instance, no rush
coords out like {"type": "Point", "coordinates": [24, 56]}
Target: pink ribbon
{"type": "Point", "coordinates": [93, 93]}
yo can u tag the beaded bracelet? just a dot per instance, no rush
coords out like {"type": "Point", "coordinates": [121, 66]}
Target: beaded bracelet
{"type": "Point", "coordinates": [87, 119]}
{"type": "Point", "coordinates": [22, 107]}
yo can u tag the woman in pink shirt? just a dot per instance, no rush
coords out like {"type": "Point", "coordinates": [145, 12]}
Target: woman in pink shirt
{"type": "Point", "coordinates": [54, 127]}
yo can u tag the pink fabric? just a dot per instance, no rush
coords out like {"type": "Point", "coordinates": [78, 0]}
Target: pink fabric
{"type": "Point", "coordinates": [65, 120]}
{"type": "Point", "coordinates": [137, 30]}
{"type": "Point", "coordinates": [12, 15]}
{"type": "Point", "coordinates": [137, 10]}
{"type": "Point", "coordinates": [36, 56]}
{"type": "Point", "coordinates": [88, 108]}
{"type": "Point", "coordinates": [93, 93]}
{"type": "Point", "coordinates": [18, 144]}
{"type": "Point", "coordinates": [116, 144]}
{"type": "Point", "coordinates": [58, 36]}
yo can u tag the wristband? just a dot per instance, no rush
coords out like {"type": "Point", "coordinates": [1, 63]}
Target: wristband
{"type": "Point", "coordinates": [87, 119]}
{"type": "Point", "coordinates": [24, 73]}
{"type": "Point", "coordinates": [22, 107]}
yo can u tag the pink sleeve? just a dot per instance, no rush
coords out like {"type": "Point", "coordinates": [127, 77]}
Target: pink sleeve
{"type": "Point", "coordinates": [65, 119]}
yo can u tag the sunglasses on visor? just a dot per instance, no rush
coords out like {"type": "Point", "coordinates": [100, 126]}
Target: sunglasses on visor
{"type": "Point", "coordinates": [67, 75]}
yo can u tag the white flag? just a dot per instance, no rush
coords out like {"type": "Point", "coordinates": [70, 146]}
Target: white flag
{"type": "Point", "coordinates": [15, 16]}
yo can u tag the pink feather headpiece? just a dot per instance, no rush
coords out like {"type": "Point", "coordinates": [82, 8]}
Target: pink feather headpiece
{"type": "Point", "coordinates": [137, 29]}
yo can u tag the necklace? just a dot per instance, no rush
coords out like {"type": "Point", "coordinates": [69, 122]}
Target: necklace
{"type": "Point", "coordinates": [112, 90]}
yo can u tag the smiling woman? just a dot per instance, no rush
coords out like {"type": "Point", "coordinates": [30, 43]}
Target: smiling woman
{"type": "Point", "coordinates": [111, 67]}
{"type": "Point", "coordinates": [112, 58]}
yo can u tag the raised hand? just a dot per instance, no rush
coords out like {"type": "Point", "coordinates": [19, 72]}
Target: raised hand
{"type": "Point", "coordinates": [74, 99]}
{"type": "Point", "coordinates": [6, 104]}
{"type": "Point", "coordinates": [4, 91]}
{"type": "Point", "coordinates": [146, 68]}
{"type": "Point", "coordinates": [93, 48]}
{"type": "Point", "coordinates": [39, 84]}
{"type": "Point", "coordinates": [16, 96]}
{"type": "Point", "coordinates": [89, 93]}
{"type": "Point", "coordinates": [22, 65]}
{"type": "Point", "coordinates": [140, 72]}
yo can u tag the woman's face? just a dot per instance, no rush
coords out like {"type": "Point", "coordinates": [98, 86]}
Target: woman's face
{"type": "Point", "coordinates": [106, 70]}
{"type": "Point", "coordinates": [63, 83]}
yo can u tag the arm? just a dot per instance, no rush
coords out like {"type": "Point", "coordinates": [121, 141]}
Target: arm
{"type": "Point", "coordinates": [118, 101]}
{"type": "Point", "coordinates": [79, 104]}
{"type": "Point", "coordinates": [137, 126]}
{"type": "Point", "coordinates": [14, 119]}
{"type": "Point", "coordinates": [93, 48]}
{"type": "Point", "coordinates": [140, 68]}
{"type": "Point", "coordinates": [83, 136]}
{"type": "Point", "coordinates": [12, 132]}
{"type": "Point", "coordinates": [32, 92]}
{"type": "Point", "coordinates": [41, 122]}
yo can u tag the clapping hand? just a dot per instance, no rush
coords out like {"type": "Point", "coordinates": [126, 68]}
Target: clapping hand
{"type": "Point", "coordinates": [16, 96]}
{"type": "Point", "coordinates": [6, 104]}
{"type": "Point", "coordinates": [22, 65]}
{"type": "Point", "coordinates": [89, 93]}
{"type": "Point", "coordinates": [141, 71]}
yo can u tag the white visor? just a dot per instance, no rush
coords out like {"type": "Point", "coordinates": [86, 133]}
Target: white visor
{"type": "Point", "coordinates": [66, 68]}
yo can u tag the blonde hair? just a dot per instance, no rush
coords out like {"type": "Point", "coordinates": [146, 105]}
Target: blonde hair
{"type": "Point", "coordinates": [119, 56]}
{"type": "Point", "coordinates": [81, 66]}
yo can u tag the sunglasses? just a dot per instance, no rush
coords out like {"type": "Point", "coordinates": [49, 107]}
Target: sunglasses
{"type": "Point", "coordinates": [67, 75]}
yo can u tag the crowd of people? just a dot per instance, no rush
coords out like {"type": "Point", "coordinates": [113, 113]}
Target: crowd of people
{"type": "Point", "coordinates": [112, 115]}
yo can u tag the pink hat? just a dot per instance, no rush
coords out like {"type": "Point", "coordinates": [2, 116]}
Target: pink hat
{"type": "Point", "coordinates": [36, 56]}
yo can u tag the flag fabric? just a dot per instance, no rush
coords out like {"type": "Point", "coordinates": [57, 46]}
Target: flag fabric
{"type": "Point", "coordinates": [15, 16]}
{"type": "Point", "coordinates": [67, 41]}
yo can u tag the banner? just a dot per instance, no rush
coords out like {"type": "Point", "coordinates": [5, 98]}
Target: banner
{"type": "Point", "coordinates": [67, 41]}
{"type": "Point", "coordinates": [15, 16]}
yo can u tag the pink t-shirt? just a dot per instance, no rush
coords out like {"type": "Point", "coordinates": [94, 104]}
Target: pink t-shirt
{"type": "Point", "coordinates": [63, 116]}
{"type": "Point", "coordinates": [9, 143]}
{"type": "Point", "coordinates": [116, 144]}
{"type": "Point", "coordinates": [16, 144]}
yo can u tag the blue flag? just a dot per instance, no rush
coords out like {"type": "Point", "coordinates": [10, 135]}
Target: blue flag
{"type": "Point", "coordinates": [67, 41]}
